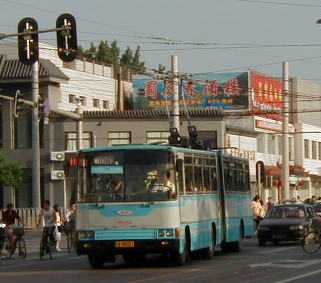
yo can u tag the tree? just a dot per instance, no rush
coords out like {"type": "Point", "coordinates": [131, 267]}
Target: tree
{"type": "Point", "coordinates": [109, 54]}
{"type": "Point", "coordinates": [11, 174]}
{"type": "Point", "coordinates": [127, 57]}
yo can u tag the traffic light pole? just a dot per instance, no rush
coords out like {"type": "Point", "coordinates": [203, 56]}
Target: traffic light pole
{"type": "Point", "coordinates": [35, 138]}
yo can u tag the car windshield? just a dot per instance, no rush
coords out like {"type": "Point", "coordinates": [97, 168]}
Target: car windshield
{"type": "Point", "coordinates": [287, 212]}
{"type": "Point", "coordinates": [133, 175]}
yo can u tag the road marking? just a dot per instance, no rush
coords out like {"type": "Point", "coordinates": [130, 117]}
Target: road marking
{"type": "Point", "coordinates": [288, 263]}
{"type": "Point", "coordinates": [276, 250]}
{"type": "Point", "coordinates": [299, 276]}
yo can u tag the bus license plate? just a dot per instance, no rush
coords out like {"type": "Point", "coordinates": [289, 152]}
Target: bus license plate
{"type": "Point", "coordinates": [124, 244]}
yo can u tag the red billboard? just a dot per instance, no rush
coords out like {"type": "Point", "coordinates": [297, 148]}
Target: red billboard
{"type": "Point", "coordinates": [266, 94]}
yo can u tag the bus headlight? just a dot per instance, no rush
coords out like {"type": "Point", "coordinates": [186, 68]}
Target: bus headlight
{"type": "Point", "coordinates": [84, 235]}
{"type": "Point", "coordinates": [165, 233]}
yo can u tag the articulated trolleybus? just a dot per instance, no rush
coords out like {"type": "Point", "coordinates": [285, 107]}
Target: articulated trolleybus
{"type": "Point", "coordinates": [135, 200]}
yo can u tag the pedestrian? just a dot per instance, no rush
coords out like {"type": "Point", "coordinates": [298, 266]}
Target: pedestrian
{"type": "Point", "coordinates": [313, 200]}
{"type": "Point", "coordinates": [269, 204]}
{"type": "Point", "coordinates": [298, 199]}
{"type": "Point", "coordinates": [256, 210]}
{"type": "Point", "coordinates": [57, 220]}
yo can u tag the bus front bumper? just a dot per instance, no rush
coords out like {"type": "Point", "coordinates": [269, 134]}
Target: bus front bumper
{"type": "Point", "coordinates": [113, 247]}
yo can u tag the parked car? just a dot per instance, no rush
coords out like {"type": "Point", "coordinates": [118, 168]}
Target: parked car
{"type": "Point", "coordinates": [287, 222]}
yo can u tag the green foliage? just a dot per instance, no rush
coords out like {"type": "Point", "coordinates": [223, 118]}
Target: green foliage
{"type": "Point", "coordinates": [11, 173]}
{"type": "Point", "coordinates": [109, 54]}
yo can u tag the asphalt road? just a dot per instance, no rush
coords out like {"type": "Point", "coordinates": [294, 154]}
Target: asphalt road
{"type": "Point", "coordinates": [270, 264]}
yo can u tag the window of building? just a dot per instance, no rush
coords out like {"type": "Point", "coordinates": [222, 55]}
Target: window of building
{"type": "Point", "coordinates": [115, 138]}
{"type": "Point", "coordinates": [72, 98]}
{"type": "Point", "coordinates": [306, 149]}
{"type": "Point", "coordinates": [271, 143]}
{"type": "Point", "coordinates": [260, 142]}
{"type": "Point", "coordinates": [96, 102]}
{"type": "Point", "coordinates": [105, 104]}
{"type": "Point", "coordinates": [157, 137]}
{"type": "Point", "coordinates": [71, 140]}
{"type": "Point", "coordinates": [319, 150]}
{"type": "Point", "coordinates": [23, 131]}
{"type": "Point", "coordinates": [314, 150]}
{"type": "Point", "coordinates": [82, 100]}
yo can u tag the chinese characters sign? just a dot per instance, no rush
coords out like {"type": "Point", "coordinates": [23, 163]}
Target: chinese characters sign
{"type": "Point", "coordinates": [266, 95]}
{"type": "Point", "coordinates": [228, 90]}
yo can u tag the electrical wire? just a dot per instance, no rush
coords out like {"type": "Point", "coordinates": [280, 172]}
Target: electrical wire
{"type": "Point", "coordinates": [281, 3]}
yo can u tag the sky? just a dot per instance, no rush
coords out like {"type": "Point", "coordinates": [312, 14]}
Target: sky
{"type": "Point", "coordinates": [218, 33]}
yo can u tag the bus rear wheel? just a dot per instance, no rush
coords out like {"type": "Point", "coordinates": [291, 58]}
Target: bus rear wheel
{"type": "Point", "coordinates": [96, 261]}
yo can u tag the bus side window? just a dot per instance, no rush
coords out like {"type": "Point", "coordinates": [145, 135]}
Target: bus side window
{"type": "Point", "coordinates": [189, 182]}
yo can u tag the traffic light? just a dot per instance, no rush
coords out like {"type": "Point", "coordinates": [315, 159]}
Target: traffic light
{"type": "Point", "coordinates": [28, 42]}
{"type": "Point", "coordinates": [174, 137]}
{"type": "Point", "coordinates": [17, 106]}
{"type": "Point", "coordinates": [66, 38]}
{"type": "Point", "coordinates": [193, 137]}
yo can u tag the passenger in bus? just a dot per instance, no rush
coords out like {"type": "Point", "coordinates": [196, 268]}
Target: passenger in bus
{"type": "Point", "coordinates": [151, 180]}
{"type": "Point", "coordinates": [169, 186]}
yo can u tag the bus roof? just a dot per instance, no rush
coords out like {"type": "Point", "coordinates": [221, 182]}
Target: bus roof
{"type": "Point", "coordinates": [147, 147]}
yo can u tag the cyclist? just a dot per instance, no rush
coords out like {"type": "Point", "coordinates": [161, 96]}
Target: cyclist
{"type": "Point", "coordinates": [9, 217]}
{"type": "Point", "coordinates": [46, 218]}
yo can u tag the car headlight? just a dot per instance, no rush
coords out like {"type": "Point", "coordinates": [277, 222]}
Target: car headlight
{"type": "Point", "coordinates": [82, 235]}
{"type": "Point", "coordinates": [163, 233]}
{"type": "Point", "coordinates": [296, 227]}
{"type": "Point", "coordinates": [264, 228]}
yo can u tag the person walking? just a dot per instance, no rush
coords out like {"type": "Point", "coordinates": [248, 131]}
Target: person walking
{"type": "Point", "coordinates": [57, 220]}
{"type": "Point", "coordinates": [45, 219]}
{"type": "Point", "coordinates": [256, 210]}
{"type": "Point", "coordinates": [269, 204]}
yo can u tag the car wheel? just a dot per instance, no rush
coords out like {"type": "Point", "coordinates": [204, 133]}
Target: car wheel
{"type": "Point", "coordinates": [96, 261]}
{"type": "Point", "coordinates": [262, 242]}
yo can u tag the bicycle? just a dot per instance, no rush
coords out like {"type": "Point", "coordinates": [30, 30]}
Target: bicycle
{"type": "Point", "coordinates": [18, 231]}
{"type": "Point", "coordinates": [311, 242]}
{"type": "Point", "coordinates": [45, 242]}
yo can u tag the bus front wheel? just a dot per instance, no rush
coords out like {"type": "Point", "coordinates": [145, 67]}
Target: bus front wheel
{"type": "Point", "coordinates": [185, 256]}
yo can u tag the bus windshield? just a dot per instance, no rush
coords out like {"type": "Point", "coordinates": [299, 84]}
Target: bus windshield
{"type": "Point", "coordinates": [133, 175]}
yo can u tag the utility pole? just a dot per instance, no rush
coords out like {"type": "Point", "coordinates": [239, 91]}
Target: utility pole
{"type": "Point", "coordinates": [175, 106]}
{"type": "Point", "coordinates": [79, 126]}
{"type": "Point", "coordinates": [35, 137]}
{"type": "Point", "coordinates": [285, 129]}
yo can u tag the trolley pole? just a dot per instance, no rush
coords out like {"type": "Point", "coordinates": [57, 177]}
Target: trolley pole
{"type": "Point", "coordinates": [285, 129]}
{"type": "Point", "coordinates": [35, 137]}
{"type": "Point", "coordinates": [175, 108]}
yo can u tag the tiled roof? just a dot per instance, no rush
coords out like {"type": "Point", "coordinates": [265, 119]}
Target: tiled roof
{"type": "Point", "coordinates": [13, 69]}
{"type": "Point", "coordinates": [213, 114]}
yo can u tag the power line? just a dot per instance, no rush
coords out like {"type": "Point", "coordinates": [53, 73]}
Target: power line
{"type": "Point", "coordinates": [281, 3]}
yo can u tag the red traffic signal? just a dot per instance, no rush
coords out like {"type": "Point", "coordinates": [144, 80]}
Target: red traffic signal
{"type": "Point", "coordinates": [66, 37]}
{"type": "Point", "coordinates": [28, 48]}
